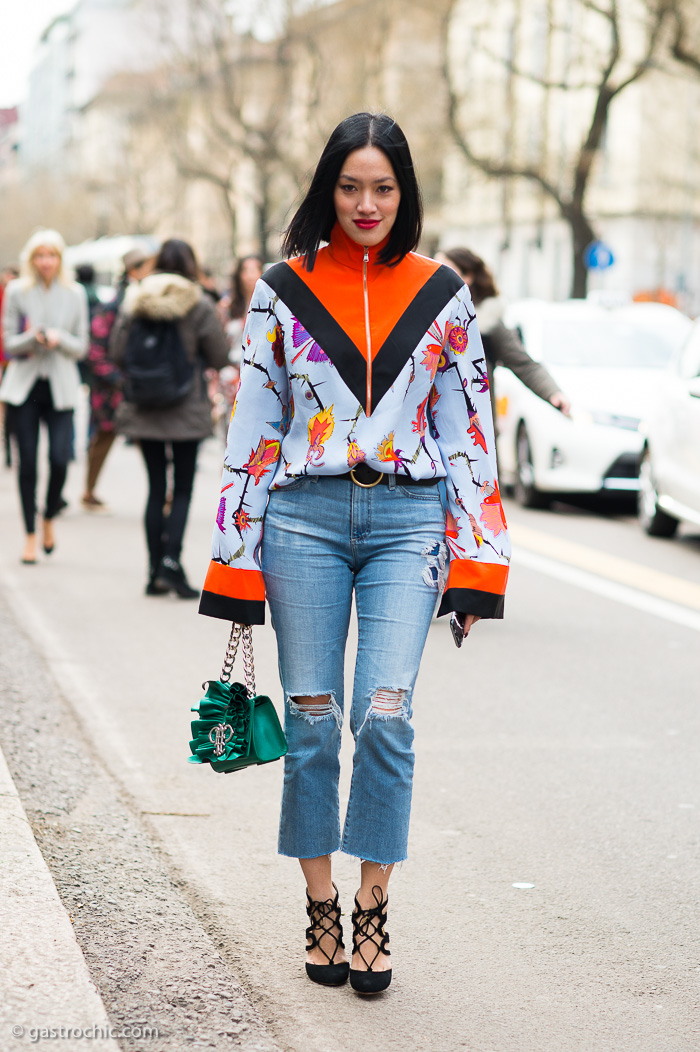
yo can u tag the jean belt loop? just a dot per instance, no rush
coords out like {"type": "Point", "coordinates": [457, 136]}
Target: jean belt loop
{"type": "Point", "coordinates": [391, 481]}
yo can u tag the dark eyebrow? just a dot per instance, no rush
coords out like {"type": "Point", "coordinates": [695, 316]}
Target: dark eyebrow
{"type": "Point", "coordinates": [352, 179]}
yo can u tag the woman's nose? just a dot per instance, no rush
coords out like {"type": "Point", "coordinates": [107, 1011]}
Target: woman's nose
{"type": "Point", "coordinates": [366, 202]}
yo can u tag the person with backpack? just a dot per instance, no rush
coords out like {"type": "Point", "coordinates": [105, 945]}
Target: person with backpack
{"type": "Point", "coordinates": [165, 336]}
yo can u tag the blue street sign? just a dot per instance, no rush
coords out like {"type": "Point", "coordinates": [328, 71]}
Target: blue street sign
{"type": "Point", "coordinates": [598, 256]}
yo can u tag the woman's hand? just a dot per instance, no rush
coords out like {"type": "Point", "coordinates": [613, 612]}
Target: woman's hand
{"type": "Point", "coordinates": [465, 622]}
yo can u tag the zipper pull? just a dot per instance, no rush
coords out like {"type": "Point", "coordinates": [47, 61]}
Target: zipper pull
{"type": "Point", "coordinates": [365, 258]}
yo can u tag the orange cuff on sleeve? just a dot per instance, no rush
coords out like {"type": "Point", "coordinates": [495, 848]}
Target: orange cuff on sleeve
{"type": "Point", "coordinates": [236, 584]}
{"type": "Point", "coordinates": [480, 577]}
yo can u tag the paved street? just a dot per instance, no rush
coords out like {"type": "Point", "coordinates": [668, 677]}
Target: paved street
{"type": "Point", "coordinates": [558, 749]}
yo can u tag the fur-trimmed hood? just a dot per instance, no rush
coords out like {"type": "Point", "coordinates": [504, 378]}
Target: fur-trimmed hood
{"type": "Point", "coordinates": [489, 313]}
{"type": "Point", "coordinates": [162, 297]}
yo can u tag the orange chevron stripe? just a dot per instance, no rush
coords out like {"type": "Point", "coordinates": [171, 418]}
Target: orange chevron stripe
{"type": "Point", "coordinates": [336, 281]}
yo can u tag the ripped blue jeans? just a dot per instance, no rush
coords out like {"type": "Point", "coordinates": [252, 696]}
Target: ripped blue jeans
{"type": "Point", "coordinates": [324, 538]}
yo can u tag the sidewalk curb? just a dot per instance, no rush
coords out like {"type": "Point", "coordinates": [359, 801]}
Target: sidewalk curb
{"type": "Point", "coordinates": [46, 982]}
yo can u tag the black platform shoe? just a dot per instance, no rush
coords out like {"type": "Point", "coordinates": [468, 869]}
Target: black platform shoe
{"type": "Point", "coordinates": [171, 577]}
{"type": "Point", "coordinates": [325, 921]}
{"type": "Point", "coordinates": [369, 939]}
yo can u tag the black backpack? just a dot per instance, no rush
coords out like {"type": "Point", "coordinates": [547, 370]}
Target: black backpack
{"type": "Point", "coordinates": [157, 371]}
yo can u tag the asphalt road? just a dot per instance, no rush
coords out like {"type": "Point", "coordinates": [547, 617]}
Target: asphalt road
{"type": "Point", "coordinates": [558, 749]}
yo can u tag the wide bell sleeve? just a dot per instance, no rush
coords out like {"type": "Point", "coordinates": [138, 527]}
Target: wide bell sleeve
{"type": "Point", "coordinates": [234, 588]}
{"type": "Point", "coordinates": [462, 424]}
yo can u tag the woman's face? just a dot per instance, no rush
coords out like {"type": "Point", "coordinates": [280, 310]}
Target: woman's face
{"type": "Point", "coordinates": [251, 270]}
{"type": "Point", "coordinates": [46, 262]}
{"type": "Point", "coordinates": [367, 196]}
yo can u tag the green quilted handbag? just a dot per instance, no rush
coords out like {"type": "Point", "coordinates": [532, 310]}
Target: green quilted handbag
{"type": "Point", "coordinates": [236, 728]}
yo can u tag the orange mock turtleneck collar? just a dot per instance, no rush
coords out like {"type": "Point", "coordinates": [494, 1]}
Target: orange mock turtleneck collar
{"type": "Point", "coordinates": [337, 283]}
{"type": "Point", "coordinates": [348, 253]}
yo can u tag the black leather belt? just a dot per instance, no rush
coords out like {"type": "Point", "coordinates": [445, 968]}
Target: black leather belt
{"type": "Point", "coordinates": [366, 477]}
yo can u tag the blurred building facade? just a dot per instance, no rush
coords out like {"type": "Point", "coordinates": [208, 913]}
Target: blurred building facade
{"type": "Point", "coordinates": [529, 90]}
{"type": "Point", "coordinates": [167, 124]}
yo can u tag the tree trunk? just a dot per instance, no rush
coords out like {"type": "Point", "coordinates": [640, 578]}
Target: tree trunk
{"type": "Point", "coordinates": [582, 233]}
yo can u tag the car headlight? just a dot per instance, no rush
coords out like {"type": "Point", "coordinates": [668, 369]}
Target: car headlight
{"type": "Point", "coordinates": [627, 423]}
{"type": "Point", "coordinates": [595, 416]}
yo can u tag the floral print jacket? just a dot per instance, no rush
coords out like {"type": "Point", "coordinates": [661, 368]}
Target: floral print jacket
{"type": "Point", "coordinates": [352, 362]}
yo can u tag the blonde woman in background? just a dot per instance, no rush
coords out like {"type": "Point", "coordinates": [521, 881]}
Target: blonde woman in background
{"type": "Point", "coordinates": [45, 333]}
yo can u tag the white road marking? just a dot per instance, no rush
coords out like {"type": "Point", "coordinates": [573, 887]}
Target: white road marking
{"type": "Point", "coordinates": [619, 593]}
{"type": "Point", "coordinates": [602, 564]}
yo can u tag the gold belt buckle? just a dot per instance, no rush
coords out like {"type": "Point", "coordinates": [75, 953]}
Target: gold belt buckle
{"type": "Point", "coordinates": [365, 485]}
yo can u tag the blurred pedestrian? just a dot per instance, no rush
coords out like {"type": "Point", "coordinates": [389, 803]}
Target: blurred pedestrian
{"type": "Point", "coordinates": [7, 274]}
{"type": "Point", "coordinates": [360, 390]}
{"type": "Point", "coordinates": [85, 276]}
{"type": "Point", "coordinates": [232, 310]}
{"type": "Point", "coordinates": [234, 306]}
{"type": "Point", "coordinates": [169, 307]}
{"type": "Point", "coordinates": [45, 332]}
{"type": "Point", "coordinates": [501, 345]}
{"type": "Point", "coordinates": [104, 376]}
{"type": "Point", "coordinates": [207, 280]}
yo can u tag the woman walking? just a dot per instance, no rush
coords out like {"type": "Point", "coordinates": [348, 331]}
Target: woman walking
{"type": "Point", "coordinates": [233, 308]}
{"type": "Point", "coordinates": [501, 345]}
{"type": "Point", "coordinates": [45, 331]}
{"type": "Point", "coordinates": [169, 305]}
{"type": "Point", "coordinates": [362, 385]}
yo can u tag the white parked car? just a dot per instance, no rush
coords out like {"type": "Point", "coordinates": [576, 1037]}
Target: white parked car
{"type": "Point", "coordinates": [669, 482]}
{"type": "Point", "coordinates": [608, 361]}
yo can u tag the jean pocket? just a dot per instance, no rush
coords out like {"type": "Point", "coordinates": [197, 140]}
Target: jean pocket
{"type": "Point", "coordinates": [425, 493]}
{"type": "Point", "coordinates": [292, 487]}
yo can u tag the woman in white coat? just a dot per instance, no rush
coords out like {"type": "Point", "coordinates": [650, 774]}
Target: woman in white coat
{"type": "Point", "coordinates": [45, 333]}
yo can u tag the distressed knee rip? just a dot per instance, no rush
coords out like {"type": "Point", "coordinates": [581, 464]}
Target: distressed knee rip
{"type": "Point", "coordinates": [315, 708]}
{"type": "Point", "coordinates": [435, 570]}
{"type": "Point", "coordinates": [387, 703]}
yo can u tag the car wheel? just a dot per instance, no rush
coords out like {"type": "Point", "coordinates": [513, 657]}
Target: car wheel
{"type": "Point", "coordinates": [526, 493]}
{"type": "Point", "coordinates": [652, 519]}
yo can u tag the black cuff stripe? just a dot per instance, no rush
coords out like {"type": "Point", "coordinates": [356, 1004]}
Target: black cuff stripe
{"type": "Point", "coordinates": [471, 601]}
{"type": "Point", "coordinates": [243, 611]}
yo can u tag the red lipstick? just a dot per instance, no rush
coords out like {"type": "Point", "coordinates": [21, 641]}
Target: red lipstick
{"type": "Point", "coordinates": [366, 224]}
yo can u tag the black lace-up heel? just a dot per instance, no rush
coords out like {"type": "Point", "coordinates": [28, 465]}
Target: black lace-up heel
{"type": "Point", "coordinates": [325, 921]}
{"type": "Point", "coordinates": [369, 939]}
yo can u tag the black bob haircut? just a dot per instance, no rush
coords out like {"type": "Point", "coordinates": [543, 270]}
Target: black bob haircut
{"type": "Point", "coordinates": [315, 217]}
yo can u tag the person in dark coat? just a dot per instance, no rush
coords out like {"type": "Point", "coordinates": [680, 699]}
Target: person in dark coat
{"type": "Point", "coordinates": [501, 345]}
{"type": "Point", "coordinates": [171, 293]}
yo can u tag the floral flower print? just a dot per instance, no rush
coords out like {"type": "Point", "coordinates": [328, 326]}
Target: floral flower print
{"type": "Point", "coordinates": [355, 455]}
{"type": "Point", "coordinates": [457, 337]}
{"type": "Point", "coordinates": [276, 338]}
{"type": "Point", "coordinates": [476, 431]}
{"type": "Point", "coordinates": [262, 458]}
{"type": "Point", "coordinates": [301, 338]}
{"type": "Point", "coordinates": [221, 515]}
{"type": "Point", "coordinates": [242, 521]}
{"type": "Point", "coordinates": [492, 512]}
{"type": "Point", "coordinates": [386, 452]}
{"type": "Point", "coordinates": [420, 424]}
{"type": "Point", "coordinates": [320, 429]}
